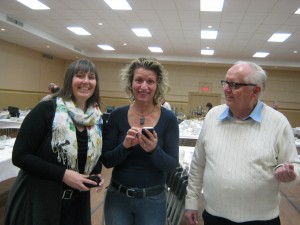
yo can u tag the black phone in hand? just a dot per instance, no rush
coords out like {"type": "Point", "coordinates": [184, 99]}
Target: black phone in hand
{"type": "Point", "coordinates": [151, 129]}
{"type": "Point", "coordinates": [93, 178]}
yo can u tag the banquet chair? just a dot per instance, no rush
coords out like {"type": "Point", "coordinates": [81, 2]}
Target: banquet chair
{"type": "Point", "coordinates": [171, 179]}
{"type": "Point", "coordinates": [13, 111]}
{"type": "Point", "coordinates": [176, 195]}
{"type": "Point", "coordinates": [177, 210]}
{"type": "Point", "coordinates": [173, 189]}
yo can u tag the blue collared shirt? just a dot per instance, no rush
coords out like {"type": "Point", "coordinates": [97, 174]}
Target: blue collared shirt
{"type": "Point", "coordinates": [255, 114]}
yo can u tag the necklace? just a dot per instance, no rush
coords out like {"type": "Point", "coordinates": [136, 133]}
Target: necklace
{"type": "Point", "coordinates": [142, 116]}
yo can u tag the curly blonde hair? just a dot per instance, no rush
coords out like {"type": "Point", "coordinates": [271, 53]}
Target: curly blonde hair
{"type": "Point", "coordinates": [152, 64]}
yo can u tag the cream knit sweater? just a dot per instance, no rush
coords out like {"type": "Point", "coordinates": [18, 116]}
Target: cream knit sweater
{"type": "Point", "coordinates": [233, 162]}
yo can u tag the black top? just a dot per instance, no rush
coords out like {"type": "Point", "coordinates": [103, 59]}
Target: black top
{"type": "Point", "coordinates": [134, 167]}
{"type": "Point", "coordinates": [36, 196]}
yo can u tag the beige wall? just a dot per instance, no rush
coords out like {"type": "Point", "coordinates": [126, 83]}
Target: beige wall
{"type": "Point", "coordinates": [27, 73]}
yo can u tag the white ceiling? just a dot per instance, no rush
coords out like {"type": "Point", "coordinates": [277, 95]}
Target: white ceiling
{"type": "Point", "coordinates": [244, 27]}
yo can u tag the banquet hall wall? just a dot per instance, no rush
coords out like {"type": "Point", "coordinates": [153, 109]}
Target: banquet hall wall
{"type": "Point", "coordinates": [25, 74]}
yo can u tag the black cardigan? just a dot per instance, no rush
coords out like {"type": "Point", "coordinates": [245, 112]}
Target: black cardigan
{"type": "Point", "coordinates": [36, 196]}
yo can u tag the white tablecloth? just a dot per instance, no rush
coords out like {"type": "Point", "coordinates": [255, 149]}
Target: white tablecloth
{"type": "Point", "coordinates": [10, 123]}
{"type": "Point", "coordinates": [4, 115]}
{"type": "Point", "coordinates": [194, 137]}
{"type": "Point", "coordinates": [185, 156]}
{"type": "Point", "coordinates": [7, 169]}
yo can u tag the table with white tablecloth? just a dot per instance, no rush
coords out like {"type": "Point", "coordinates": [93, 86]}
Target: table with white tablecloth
{"type": "Point", "coordinates": [7, 169]}
{"type": "Point", "coordinates": [4, 115]}
{"type": "Point", "coordinates": [12, 123]}
{"type": "Point", "coordinates": [185, 156]}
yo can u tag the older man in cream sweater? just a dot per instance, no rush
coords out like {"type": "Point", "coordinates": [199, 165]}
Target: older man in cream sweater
{"type": "Point", "coordinates": [244, 151]}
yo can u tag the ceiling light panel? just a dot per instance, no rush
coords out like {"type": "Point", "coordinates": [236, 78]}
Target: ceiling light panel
{"type": "Point", "coordinates": [261, 54]}
{"type": "Point", "coordinates": [211, 5]}
{"type": "Point", "coordinates": [106, 47]}
{"type": "Point", "coordinates": [118, 4]}
{"type": "Point", "coordinates": [279, 37]}
{"type": "Point", "coordinates": [141, 32]}
{"type": "Point", "coordinates": [34, 4]}
{"type": "Point", "coordinates": [209, 34]}
{"type": "Point", "coordinates": [155, 49]}
{"type": "Point", "coordinates": [207, 52]}
{"type": "Point", "coordinates": [78, 30]}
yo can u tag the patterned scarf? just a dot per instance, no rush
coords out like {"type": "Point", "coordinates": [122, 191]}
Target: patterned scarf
{"type": "Point", "coordinates": [64, 141]}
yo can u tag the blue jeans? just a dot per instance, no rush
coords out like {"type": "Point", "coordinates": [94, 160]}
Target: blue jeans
{"type": "Point", "coordinates": [120, 209]}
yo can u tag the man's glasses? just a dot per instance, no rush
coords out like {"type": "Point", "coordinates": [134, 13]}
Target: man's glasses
{"type": "Point", "coordinates": [233, 85]}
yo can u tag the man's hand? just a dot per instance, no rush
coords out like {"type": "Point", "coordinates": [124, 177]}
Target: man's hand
{"type": "Point", "coordinates": [285, 173]}
{"type": "Point", "coordinates": [191, 216]}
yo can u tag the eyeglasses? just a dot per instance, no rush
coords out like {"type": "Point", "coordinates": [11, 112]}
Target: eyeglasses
{"type": "Point", "coordinates": [233, 85]}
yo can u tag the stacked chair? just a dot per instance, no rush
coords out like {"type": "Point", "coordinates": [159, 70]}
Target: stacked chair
{"type": "Point", "coordinates": [13, 111]}
{"type": "Point", "coordinates": [176, 191]}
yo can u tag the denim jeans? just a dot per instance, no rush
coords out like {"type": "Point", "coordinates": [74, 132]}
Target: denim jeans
{"type": "Point", "coordinates": [120, 209]}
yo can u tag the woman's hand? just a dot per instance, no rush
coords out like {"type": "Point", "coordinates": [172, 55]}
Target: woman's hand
{"type": "Point", "coordinates": [148, 144]}
{"type": "Point", "coordinates": [131, 137]}
{"type": "Point", "coordinates": [99, 188]}
{"type": "Point", "coordinates": [77, 180]}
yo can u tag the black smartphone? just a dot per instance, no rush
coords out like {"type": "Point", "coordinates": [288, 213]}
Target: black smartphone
{"type": "Point", "coordinates": [93, 178]}
{"type": "Point", "coordinates": [151, 129]}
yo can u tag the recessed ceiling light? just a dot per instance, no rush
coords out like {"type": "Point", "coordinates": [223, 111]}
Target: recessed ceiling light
{"type": "Point", "coordinates": [100, 24]}
{"type": "Point", "coordinates": [124, 43]}
{"type": "Point", "coordinates": [106, 47]}
{"type": "Point", "coordinates": [78, 30]}
{"type": "Point", "coordinates": [118, 4]}
{"type": "Point", "coordinates": [261, 54]}
{"type": "Point", "coordinates": [155, 49]}
{"type": "Point", "coordinates": [279, 37]}
{"type": "Point", "coordinates": [211, 5]}
{"type": "Point", "coordinates": [295, 52]}
{"type": "Point", "coordinates": [207, 52]}
{"type": "Point", "coordinates": [141, 32]}
{"type": "Point", "coordinates": [209, 34]}
{"type": "Point", "coordinates": [34, 4]}
{"type": "Point", "coordinates": [47, 46]}
{"type": "Point", "coordinates": [2, 29]}
{"type": "Point", "coordinates": [298, 11]}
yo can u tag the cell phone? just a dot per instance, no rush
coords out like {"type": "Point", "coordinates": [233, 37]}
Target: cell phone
{"type": "Point", "coordinates": [151, 129]}
{"type": "Point", "coordinates": [93, 178]}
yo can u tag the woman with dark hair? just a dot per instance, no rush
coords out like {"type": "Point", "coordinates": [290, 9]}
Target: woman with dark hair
{"type": "Point", "coordinates": [57, 148]}
{"type": "Point", "coordinates": [52, 89]}
{"type": "Point", "coordinates": [136, 194]}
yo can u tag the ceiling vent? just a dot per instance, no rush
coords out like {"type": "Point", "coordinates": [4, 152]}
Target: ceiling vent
{"type": "Point", "coordinates": [14, 21]}
{"type": "Point", "coordinates": [77, 49]}
{"type": "Point", "coordinates": [47, 56]}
